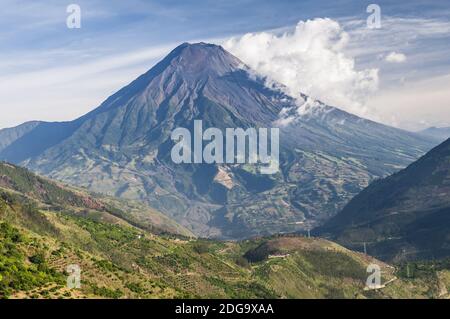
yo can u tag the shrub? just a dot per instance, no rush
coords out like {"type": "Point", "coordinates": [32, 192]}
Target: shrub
{"type": "Point", "coordinates": [201, 247]}
{"type": "Point", "coordinates": [241, 261]}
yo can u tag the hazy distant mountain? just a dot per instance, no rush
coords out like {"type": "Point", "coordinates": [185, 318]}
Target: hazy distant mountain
{"type": "Point", "coordinates": [10, 135]}
{"type": "Point", "coordinates": [123, 148]}
{"type": "Point", "coordinates": [404, 216]}
{"type": "Point", "coordinates": [441, 133]}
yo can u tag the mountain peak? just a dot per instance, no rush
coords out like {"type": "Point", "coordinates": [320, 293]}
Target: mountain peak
{"type": "Point", "coordinates": [194, 58]}
{"type": "Point", "coordinates": [200, 48]}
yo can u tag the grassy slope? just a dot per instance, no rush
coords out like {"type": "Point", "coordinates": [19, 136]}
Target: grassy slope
{"type": "Point", "coordinates": [57, 196]}
{"type": "Point", "coordinates": [39, 239]}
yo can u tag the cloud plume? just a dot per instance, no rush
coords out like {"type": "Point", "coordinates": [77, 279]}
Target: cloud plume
{"type": "Point", "coordinates": [309, 59]}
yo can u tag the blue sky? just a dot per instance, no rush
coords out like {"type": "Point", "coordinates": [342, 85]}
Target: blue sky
{"type": "Point", "coordinates": [50, 72]}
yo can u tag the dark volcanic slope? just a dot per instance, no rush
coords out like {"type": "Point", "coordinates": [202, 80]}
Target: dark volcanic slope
{"type": "Point", "coordinates": [123, 148]}
{"type": "Point", "coordinates": [406, 215]}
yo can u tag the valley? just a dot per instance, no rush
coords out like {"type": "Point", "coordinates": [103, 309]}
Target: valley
{"type": "Point", "coordinates": [45, 227]}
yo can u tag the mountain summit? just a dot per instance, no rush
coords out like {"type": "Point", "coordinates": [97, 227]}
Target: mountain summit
{"type": "Point", "coordinates": [123, 148]}
{"type": "Point", "coordinates": [202, 59]}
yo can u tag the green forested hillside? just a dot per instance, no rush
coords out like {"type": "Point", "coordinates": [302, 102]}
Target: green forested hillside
{"type": "Point", "coordinates": [57, 197]}
{"type": "Point", "coordinates": [40, 238]}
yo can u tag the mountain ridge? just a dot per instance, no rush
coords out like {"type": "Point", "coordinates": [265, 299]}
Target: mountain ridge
{"type": "Point", "coordinates": [402, 216]}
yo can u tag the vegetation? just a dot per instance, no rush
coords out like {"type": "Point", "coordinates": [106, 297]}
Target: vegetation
{"type": "Point", "coordinates": [402, 217]}
{"type": "Point", "coordinates": [120, 259]}
{"type": "Point", "coordinates": [17, 270]}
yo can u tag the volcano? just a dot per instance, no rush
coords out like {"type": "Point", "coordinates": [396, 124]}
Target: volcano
{"type": "Point", "coordinates": [123, 148]}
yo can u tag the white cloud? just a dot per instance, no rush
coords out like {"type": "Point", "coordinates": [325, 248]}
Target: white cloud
{"type": "Point", "coordinates": [414, 106]}
{"type": "Point", "coordinates": [309, 60]}
{"type": "Point", "coordinates": [395, 57]}
{"type": "Point", "coordinates": [425, 42]}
